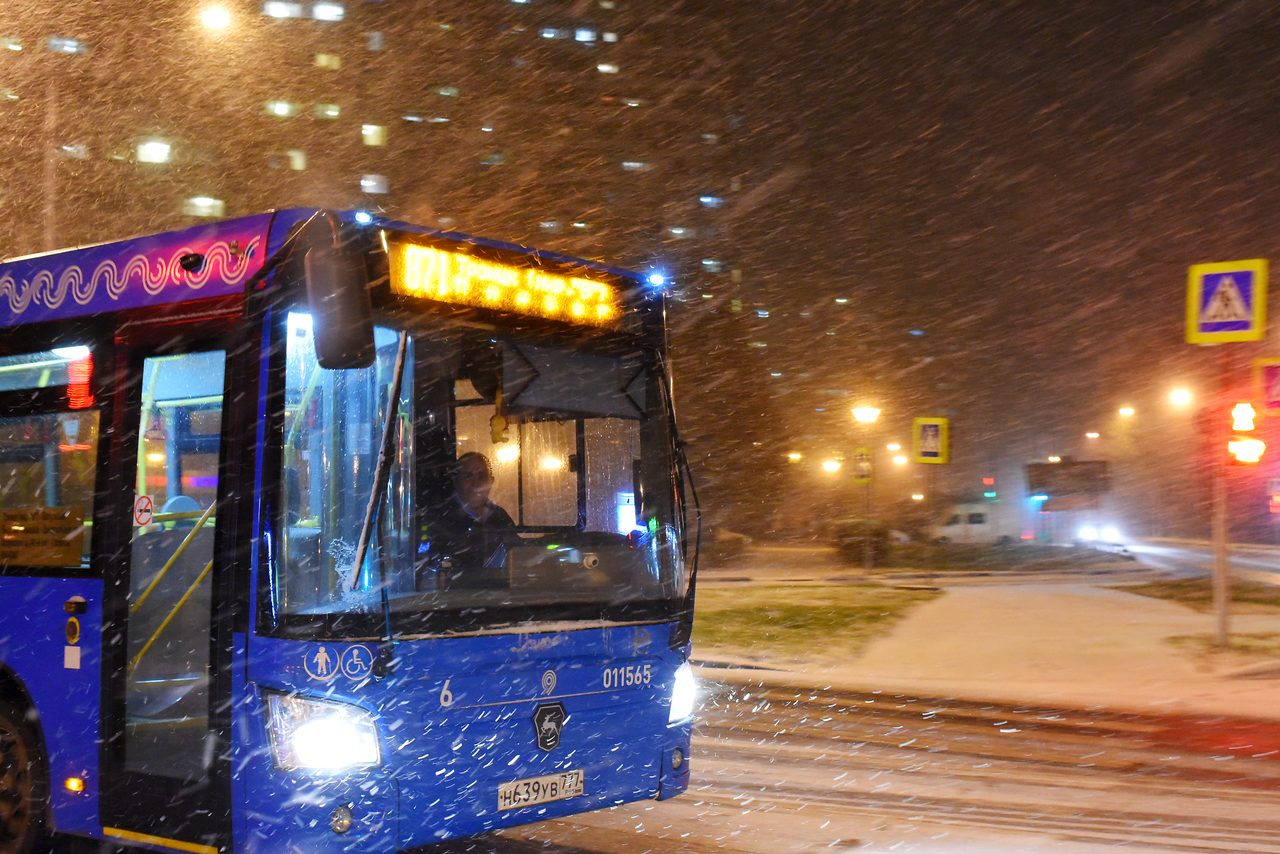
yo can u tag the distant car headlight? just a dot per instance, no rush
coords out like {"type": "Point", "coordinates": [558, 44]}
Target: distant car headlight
{"type": "Point", "coordinates": [1088, 532]}
{"type": "Point", "coordinates": [1111, 534]}
{"type": "Point", "coordinates": [683, 694]}
{"type": "Point", "coordinates": [320, 735]}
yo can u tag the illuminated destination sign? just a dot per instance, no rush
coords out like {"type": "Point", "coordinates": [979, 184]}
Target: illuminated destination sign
{"type": "Point", "coordinates": [424, 271]}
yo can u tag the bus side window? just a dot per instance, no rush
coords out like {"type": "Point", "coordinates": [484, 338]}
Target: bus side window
{"type": "Point", "coordinates": [47, 464]}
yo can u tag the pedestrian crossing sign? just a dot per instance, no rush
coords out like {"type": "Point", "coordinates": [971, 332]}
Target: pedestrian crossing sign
{"type": "Point", "coordinates": [1227, 302]}
{"type": "Point", "coordinates": [930, 440]}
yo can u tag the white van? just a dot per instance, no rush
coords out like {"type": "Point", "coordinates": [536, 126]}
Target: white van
{"type": "Point", "coordinates": [978, 522]}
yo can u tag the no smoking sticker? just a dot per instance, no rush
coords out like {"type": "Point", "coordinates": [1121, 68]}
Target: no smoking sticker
{"type": "Point", "coordinates": [143, 509]}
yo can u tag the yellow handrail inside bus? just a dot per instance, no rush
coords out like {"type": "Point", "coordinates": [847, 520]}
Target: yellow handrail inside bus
{"type": "Point", "coordinates": [167, 620]}
{"type": "Point", "coordinates": [178, 551]}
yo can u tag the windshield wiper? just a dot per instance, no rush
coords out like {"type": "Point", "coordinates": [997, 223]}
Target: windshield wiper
{"type": "Point", "coordinates": [380, 477]}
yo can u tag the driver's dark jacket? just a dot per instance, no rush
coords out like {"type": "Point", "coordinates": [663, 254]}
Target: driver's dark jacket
{"type": "Point", "coordinates": [467, 551]}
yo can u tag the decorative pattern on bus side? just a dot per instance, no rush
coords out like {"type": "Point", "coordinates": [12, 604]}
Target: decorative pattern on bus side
{"type": "Point", "coordinates": [152, 271]}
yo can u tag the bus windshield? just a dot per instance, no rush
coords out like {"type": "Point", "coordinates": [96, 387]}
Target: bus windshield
{"type": "Point", "coordinates": [528, 481]}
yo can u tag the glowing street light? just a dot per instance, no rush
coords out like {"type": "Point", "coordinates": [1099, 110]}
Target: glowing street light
{"type": "Point", "coordinates": [866, 414]}
{"type": "Point", "coordinates": [1126, 412]}
{"type": "Point", "coordinates": [1091, 435]}
{"type": "Point", "coordinates": [215, 18]}
{"type": "Point", "coordinates": [900, 460]}
{"type": "Point", "coordinates": [795, 456]}
{"type": "Point", "coordinates": [831, 465]}
{"type": "Point", "coordinates": [894, 446]}
{"type": "Point", "coordinates": [1180, 397]}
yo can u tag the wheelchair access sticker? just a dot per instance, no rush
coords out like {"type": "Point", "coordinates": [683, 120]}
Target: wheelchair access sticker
{"type": "Point", "coordinates": [325, 662]}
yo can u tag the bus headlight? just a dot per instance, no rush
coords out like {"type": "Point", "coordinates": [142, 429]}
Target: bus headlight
{"type": "Point", "coordinates": [319, 735]}
{"type": "Point", "coordinates": [683, 694]}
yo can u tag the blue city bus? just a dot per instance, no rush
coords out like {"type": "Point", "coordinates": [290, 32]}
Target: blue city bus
{"type": "Point", "coordinates": [236, 616]}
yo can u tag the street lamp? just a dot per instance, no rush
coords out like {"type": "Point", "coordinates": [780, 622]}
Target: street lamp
{"type": "Point", "coordinates": [866, 416]}
{"type": "Point", "coordinates": [1126, 412]}
{"type": "Point", "coordinates": [215, 18]}
{"type": "Point", "coordinates": [1180, 397]}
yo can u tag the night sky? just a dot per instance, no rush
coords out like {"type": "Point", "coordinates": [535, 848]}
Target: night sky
{"type": "Point", "coordinates": [1024, 183]}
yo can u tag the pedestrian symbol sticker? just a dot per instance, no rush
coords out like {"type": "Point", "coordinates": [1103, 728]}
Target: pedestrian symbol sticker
{"type": "Point", "coordinates": [1226, 302]}
{"type": "Point", "coordinates": [320, 663]}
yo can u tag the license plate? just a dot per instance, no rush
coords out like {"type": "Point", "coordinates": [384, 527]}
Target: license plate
{"type": "Point", "coordinates": [540, 790]}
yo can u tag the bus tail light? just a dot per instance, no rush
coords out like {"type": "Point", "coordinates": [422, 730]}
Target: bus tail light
{"type": "Point", "coordinates": [321, 736]}
{"type": "Point", "coordinates": [683, 694]}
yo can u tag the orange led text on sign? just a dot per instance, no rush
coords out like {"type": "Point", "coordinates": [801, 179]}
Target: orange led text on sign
{"type": "Point", "coordinates": [424, 271]}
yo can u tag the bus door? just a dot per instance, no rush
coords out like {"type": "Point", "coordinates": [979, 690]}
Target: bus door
{"type": "Point", "coordinates": [162, 755]}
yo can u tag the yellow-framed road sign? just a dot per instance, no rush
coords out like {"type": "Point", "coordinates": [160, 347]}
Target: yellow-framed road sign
{"type": "Point", "coordinates": [931, 440]}
{"type": "Point", "coordinates": [1266, 380]}
{"type": "Point", "coordinates": [1227, 302]}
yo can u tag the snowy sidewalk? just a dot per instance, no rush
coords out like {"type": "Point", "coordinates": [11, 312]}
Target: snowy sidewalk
{"type": "Point", "coordinates": [1072, 645]}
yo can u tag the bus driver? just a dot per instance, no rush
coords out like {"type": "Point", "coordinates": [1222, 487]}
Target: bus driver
{"type": "Point", "coordinates": [471, 532]}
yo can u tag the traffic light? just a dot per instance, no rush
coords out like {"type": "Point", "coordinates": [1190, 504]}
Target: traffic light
{"type": "Point", "coordinates": [1246, 450]}
{"type": "Point", "coordinates": [1242, 417]}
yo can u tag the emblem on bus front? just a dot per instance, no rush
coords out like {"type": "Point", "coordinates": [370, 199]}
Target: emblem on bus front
{"type": "Point", "coordinates": [548, 721]}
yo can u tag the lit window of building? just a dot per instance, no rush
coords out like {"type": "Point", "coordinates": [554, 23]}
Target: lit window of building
{"type": "Point", "coordinates": [438, 120]}
{"type": "Point", "coordinates": [153, 151]}
{"type": "Point", "coordinates": [711, 265]}
{"type": "Point", "coordinates": [611, 37]}
{"type": "Point", "coordinates": [762, 312]}
{"type": "Point", "coordinates": [448, 91]}
{"type": "Point", "coordinates": [283, 109]}
{"type": "Point", "coordinates": [711, 201]}
{"type": "Point", "coordinates": [373, 134]}
{"type": "Point", "coordinates": [495, 159]}
{"type": "Point", "coordinates": [281, 9]}
{"type": "Point", "coordinates": [635, 166]}
{"type": "Point", "coordinates": [607, 68]}
{"type": "Point", "coordinates": [607, 4]}
{"type": "Point", "coordinates": [297, 159]}
{"type": "Point", "coordinates": [634, 102]}
{"type": "Point", "coordinates": [549, 225]}
{"type": "Point", "coordinates": [327, 111]}
{"type": "Point", "coordinates": [60, 45]}
{"type": "Point", "coordinates": [373, 183]}
{"type": "Point", "coordinates": [682, 232]}
{"type": "Point", "coordinates": [76, 151]}
{"type": "Point", "coordinates": [10, 43]}
{"type": "Point", "coordinates": [375, 41]}
{"type": "Point", "coordinates": [584, 35]}
{"type": "Point", "coordinates": [711, 138]}
{"type": "Point", "coordinates": [203, 206]}
{"type": "Point", "coordinates": [328, 11]}
{"type": "Point", "coordinates": [582, 225]}
{"type": "Point", "coordinates": [328, 60]}
{"type": "Point", "coordinates": [550, 33]}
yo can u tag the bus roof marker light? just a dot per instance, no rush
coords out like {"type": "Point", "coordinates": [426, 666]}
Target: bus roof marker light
{"type": "Point", "coordinates": [657, 280]}
{"type": "Point", "coordinates": [363, 217]}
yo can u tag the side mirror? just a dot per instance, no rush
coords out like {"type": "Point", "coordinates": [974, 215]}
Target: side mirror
{"type": "Point", "coordinates": [341, 311]}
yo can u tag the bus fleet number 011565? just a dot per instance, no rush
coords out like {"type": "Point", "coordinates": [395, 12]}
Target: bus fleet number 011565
{"type": "Point", "coordinates": [625, 677]}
